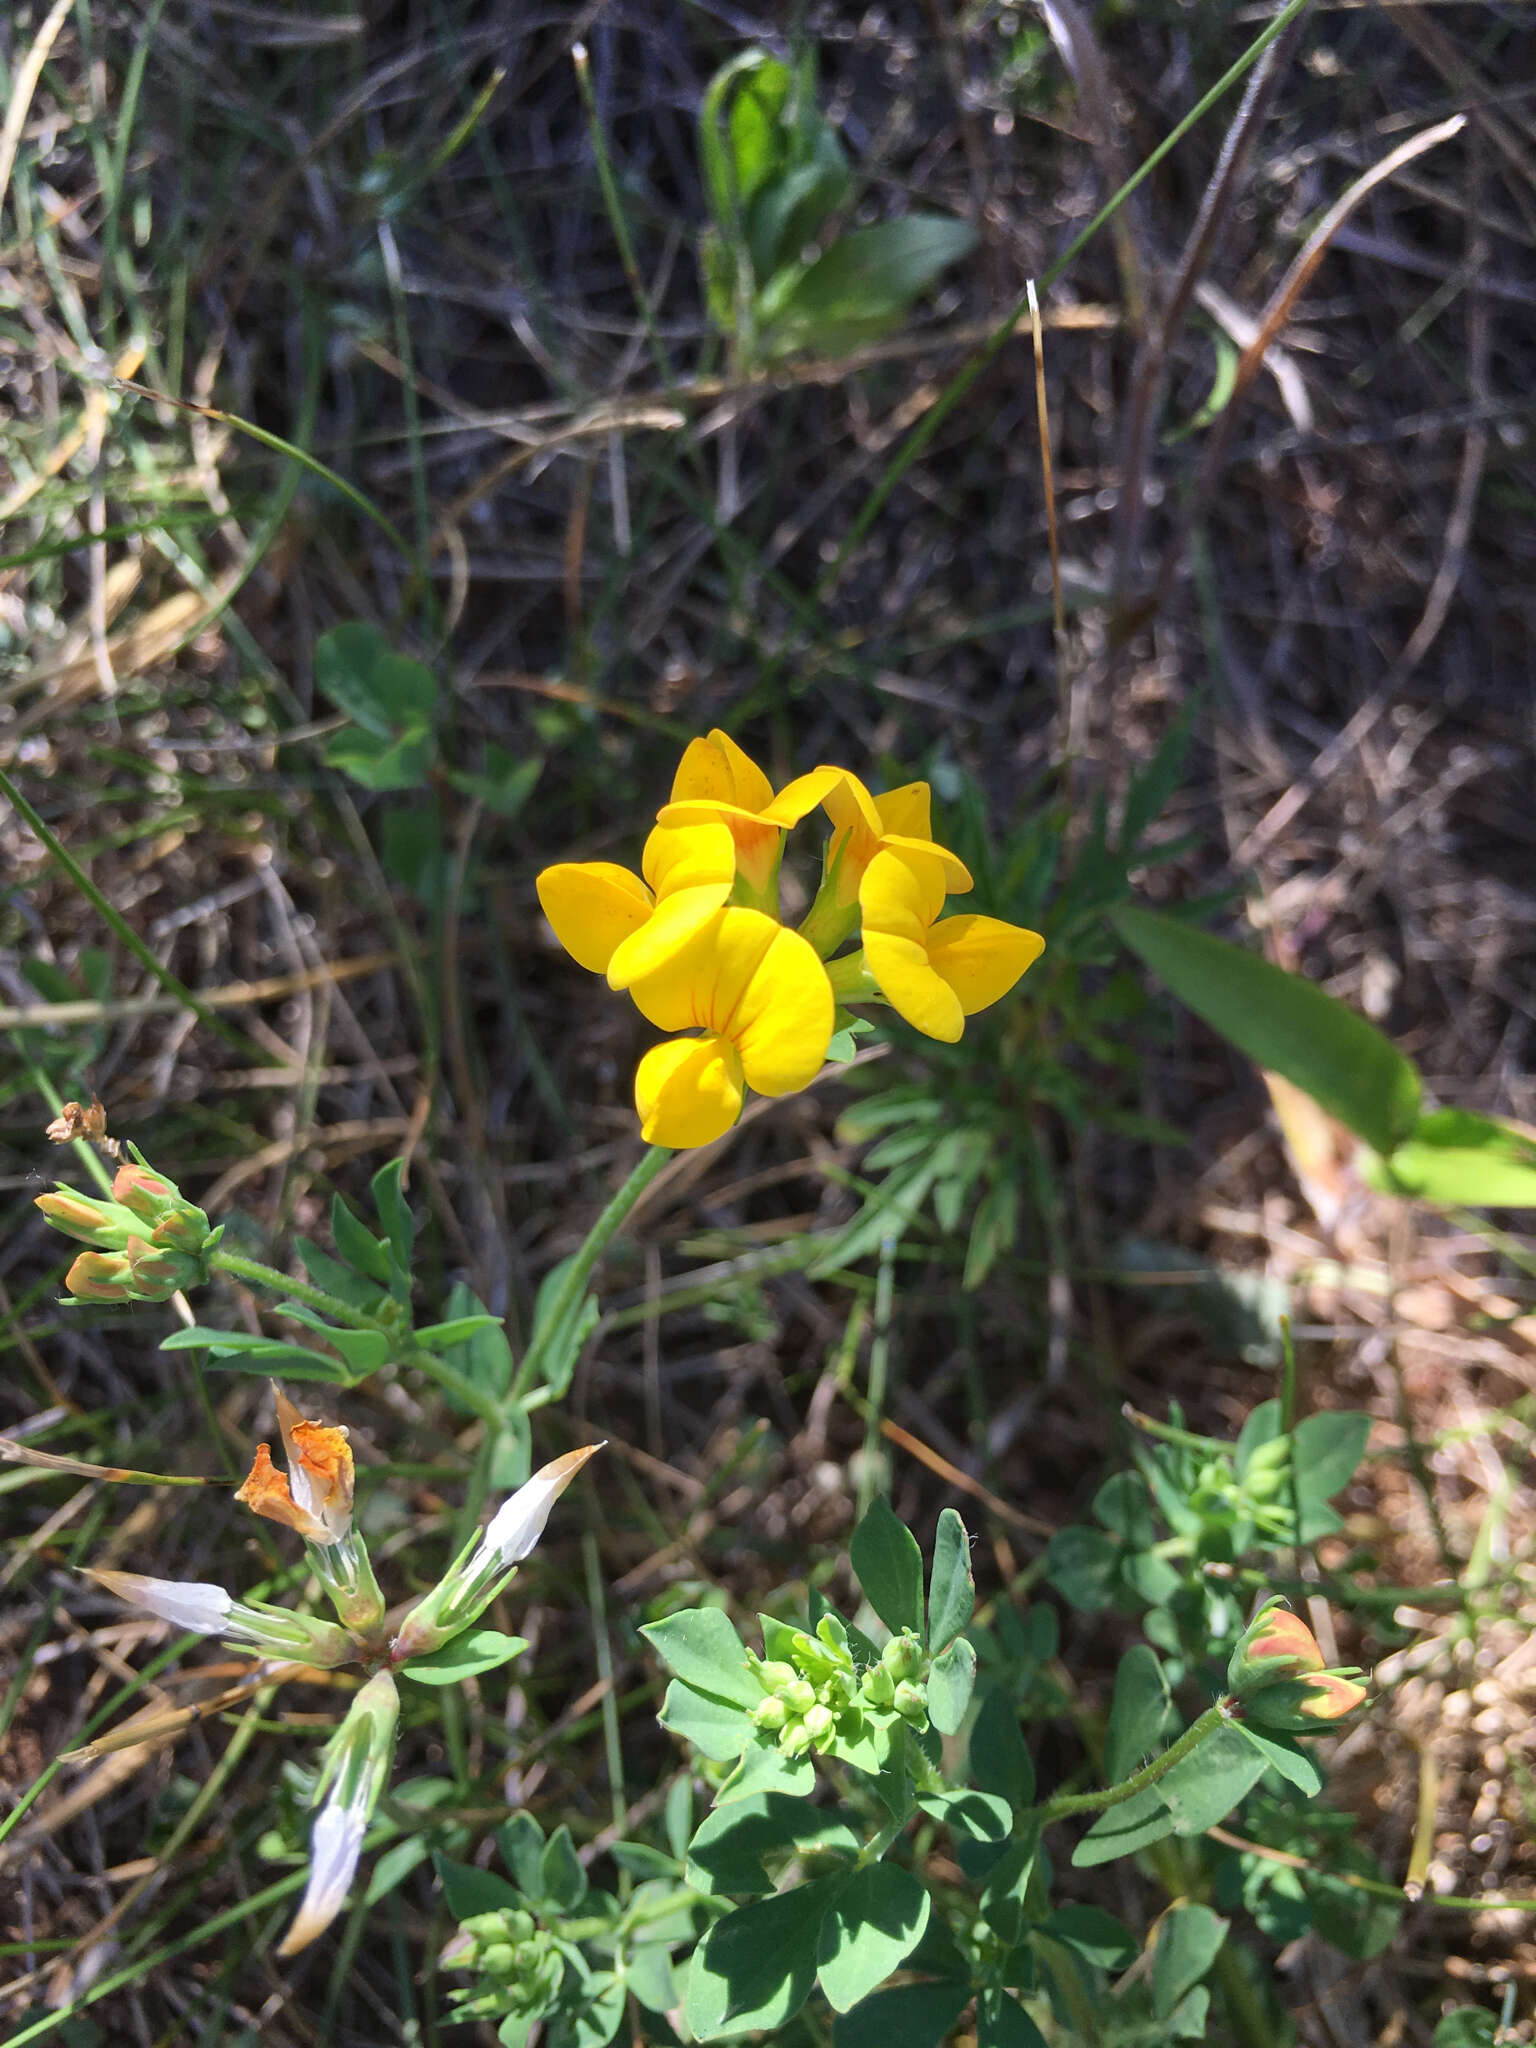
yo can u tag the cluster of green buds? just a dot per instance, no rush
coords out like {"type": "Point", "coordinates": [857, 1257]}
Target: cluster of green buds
{"type": "Point", "coordinates": [146, 1244]}
{"type": "Point", "coordinates": [521, 1960]}
{"type": "Point", "coordinates": [1283, 1681]}
{"type": "Point", "coordinates": [814, 1696]}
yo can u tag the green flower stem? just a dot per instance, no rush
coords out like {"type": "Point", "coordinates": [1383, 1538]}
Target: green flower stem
{"type": "Point", "coordinates": [573, 1282]}
{"type": "Point", "coordinates": [257, 1275]}
{"type": "Point", "coordinates": [851, 980]}
{"type": "Point", "coordinates": [1064, 1803]}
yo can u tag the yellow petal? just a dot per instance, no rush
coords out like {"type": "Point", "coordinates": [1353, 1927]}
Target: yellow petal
{"type": "Point", "coordinates": [906, 812]}
{"type": "Point", "coordinates": [902, 895]}
{"type": "Point", "coordinates": [703, 982]}
{"type": "Point", "coordinates": [957, 876]}
{"type": "Point", "coordinates": [668, 929]}
{"type": "Point", "coordinates": [688, 1091]}
{"type": "Point", "coordinates": [981, 957]}
{"type": "Point", "coordinates": [593, 907]}
{"type": "Point", "coordinates": [715, 767]}
{"type": "Point", "coordinates": [782, 1024]}
{"type": "Point", "coordinates": [799, 798]}
{"type": "Point", "coordinates": [900, 965]}
{"type": "Point", "coordinates": [689, 857]}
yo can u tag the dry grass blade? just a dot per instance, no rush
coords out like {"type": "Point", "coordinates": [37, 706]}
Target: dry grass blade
{"type": "Point", "coordinates": [30, 71]}
{"type": "Point", "coordinates": [13, 1453]}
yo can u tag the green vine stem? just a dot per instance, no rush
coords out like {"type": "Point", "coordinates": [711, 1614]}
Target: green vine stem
{"type": "Point", "coordinates": [573, 1282]}
{"type": "Point", "coordinates": [1064, 1803]}
{"type": "Point", "coordinates": [257, 1275]}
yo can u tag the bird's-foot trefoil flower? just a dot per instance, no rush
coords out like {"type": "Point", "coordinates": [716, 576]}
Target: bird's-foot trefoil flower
{"type": "Point", "coordinates": [762, 1000]}
{"type": "Point", "coordinates": [613, 923]}
{"type": "Point", "coordinates": [487, 1563]}
{"type": "Point", "coordinates": [900, 822]}
{"type": "Point", "coordinates": [717, 782]}
{"type": "Point", "coordinates": [935, 972]}
{"type": "Point", "coordinates": [1282, 1679]}
{"type": "Point", "coordinates": [353, 1774]}
{"type": "Point", "coordinates": [315, 1500]}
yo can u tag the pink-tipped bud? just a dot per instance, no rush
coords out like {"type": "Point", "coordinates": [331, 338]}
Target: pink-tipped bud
{"type": "Point", "coordinates": [143, 1191]}
{"type": "Point", "coordinates": [101, 1276]}
{"type": "Point", "coordinates": [1276, 1645]}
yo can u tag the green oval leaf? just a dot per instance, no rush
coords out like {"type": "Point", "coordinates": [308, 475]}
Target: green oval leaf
{"type": "Point", "coordinates": [890, 1568]}
{"type": "Point", "coordinates": [477, 1650]}
{"type": "Point", "coordinates": [876, 1921]}
{"type": "Point", "coordinates": [951, 1588]}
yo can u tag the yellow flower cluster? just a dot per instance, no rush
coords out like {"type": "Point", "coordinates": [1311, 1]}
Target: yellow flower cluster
{"type": "Point", "coordinates": [700, 948]}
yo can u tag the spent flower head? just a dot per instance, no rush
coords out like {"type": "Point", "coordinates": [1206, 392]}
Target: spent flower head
{"type": "Point", "coordinates": [315, 1500]}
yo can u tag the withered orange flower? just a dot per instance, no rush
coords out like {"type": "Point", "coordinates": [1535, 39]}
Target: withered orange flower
{"type": "Point", "coordinates": [315, 1498]}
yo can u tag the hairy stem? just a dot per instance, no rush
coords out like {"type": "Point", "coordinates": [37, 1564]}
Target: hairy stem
{"type": "Point", "coordinates": [1064, 1803]}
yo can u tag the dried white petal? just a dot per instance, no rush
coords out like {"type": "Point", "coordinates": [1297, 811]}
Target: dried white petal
{"type": "Point", "coordinates": [334, 1847]}
{"type": "Point", "coordinates": [188, 1603]}
{"type": "Point", "coordinates": [519, 1522]}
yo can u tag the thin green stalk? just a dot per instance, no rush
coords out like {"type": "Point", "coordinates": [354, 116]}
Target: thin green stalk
{"type": "Point", "coordinates": [257, 1275]}
{"type": "Point", "coordinates": [873, 1470]}
{"type": "Point", "coordinates": [1064, 1803]}
{"type": "Point", "coordinates": [573, 1281]}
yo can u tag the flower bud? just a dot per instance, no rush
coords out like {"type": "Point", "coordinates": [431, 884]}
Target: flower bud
{"type": "Point", "coordinates": [105, 1225]}
{"type": "Point", "coordinates": [912, 1704]}
{"type": "Point", "coordinates": [878, 1686]}
{"type": "Point", "coordinates": [101, 1276]}
{"type": "Point", "coordinates": [775, 1675]}
{"type": "Point", "coordinates": [902, 1656]}
{"type": "Point", "coordinates": [819, 1723]}
{"type": "Point", "coordinates": [149, 1195]}
{"type": "Point", "coordinates": [499, 1960]}
{"type": "Point", "coordinates": [770, 1715]}
{"type": "Point", "coordinates": [795, 1740]}
{"type": "Point", "coordinates": [1298, 1706]}
{"type": "Point", "coordinates": [799, 1695]}
{"type": "Point", "coordinates": [159, 1271]}
{"type": "Point", "coordinates": [1276, 1645]}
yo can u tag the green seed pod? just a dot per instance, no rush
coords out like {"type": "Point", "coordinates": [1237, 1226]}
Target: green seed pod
{"type": "Point", "coordinates": [770, 1715]}
{"type": "Point", "coordinates": [902, 1656]}
{"type": "Point", "coordinates": [878, 1686]}
{"type": "Point", "coordinates": [911, 1704]}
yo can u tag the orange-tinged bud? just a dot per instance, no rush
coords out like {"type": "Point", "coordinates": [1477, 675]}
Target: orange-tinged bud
{"type": "Point", "coordinates": [143, 1191]}
{"type": "Point", "coordinates": [102, 1224]}
{"type": "Point", "coordinates": [101, 1276]}
{"type": "Point", "coordinates": [1331, 1696]}
{"type": "Point", "coordinates": [1276, 1645]}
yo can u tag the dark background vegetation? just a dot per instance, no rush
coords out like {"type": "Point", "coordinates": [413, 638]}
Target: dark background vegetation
{"type": "Point", "coordinates": [626, 548]}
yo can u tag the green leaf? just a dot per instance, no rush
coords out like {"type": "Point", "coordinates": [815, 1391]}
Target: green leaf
{"type": "Point", "coordinates": [470, 1891]}
{"type": "Point", "coordinates": [477, 1650]}
{"type": "Point", "coordinates": [701, 1647]}
{"type": "Point", "coordinates": [243, 1351]}
{"type": "Point", "coordinates": [1098, 1936]}
{"type": "Point", "coordinates": [863, 284]}
{"type": "Point", "coordinates": [1326, 1449]}
{"type": "Point", "coordinates": [1006, 1890]}
{"type": "Point", "coordinates": [951, 1588]}
{"type": "Point", "coordinates": [1001, 2022]}
{"type": "Point", "coordinates": [1187, 1944]}
{"type": "Point", "coordinates": [727, 1854]}
{"type": "Point", "coordinates": [401, 763]}
{"type": "Point", "coordinates": [1124, 1508]}
{"type": "Point", "coordinates": [1358, 1923]}
{"type": "Point", "coordinates": [951, 1678]}
{"type": "Point", "coordinates": [378, 689]}
{"type": "Point", "coordinates": [357, 1245]}
{"type": "Point", "coordinates": [906, 2016]}
{"type": "Point", "coordinates": [648, 1974]}
{"type": "Point", "coordinates": [1285, 1756]}
{"type": "Point", "coordinates": [521, 1842]}
{"type": "Point", "coordinates": [1121, 1830]}
{"type": "Point", "coordinates": [1457, 1157]}
{"type": "Point", "coordinates": [364, 1350]}
{"type": "Point", "coordinates": [718, 1728]}
{"type": "Point", "coordinates": [1139, 1713]}
{"type": "Point", "coordinates": [1000, 1760]}
{"type": "Point", "coordinates": [1262, 1427]}
{"type": "Point", "coordinates": [982, 1816]}
{"type": "Point", "coordinates": [393, 1211]}
{"type": "Point", "coordinates": [561, 1348]}
{"type": "Point", "coordinates": [473, 1342]}
{"type": "Point", "coordinates": [1286, 1025]}
{"type": "Point", "coordinates": [1205, 1787]}
{"type": "Point", "coordinates": [874, 1923]}
{"type": "Point", "coordinates": [889, 1566]}
{"type": "Point", "coordinates": [1084, 1567]}
{"type": "Point", "coordinates": [754, 1968]}
{"type": "Point", "coordinates": [597, 2019]}
{"type": "Point", "coordinates": [1468, 2027]}
{"type": "Point", "coordinates": [561, 1878]}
